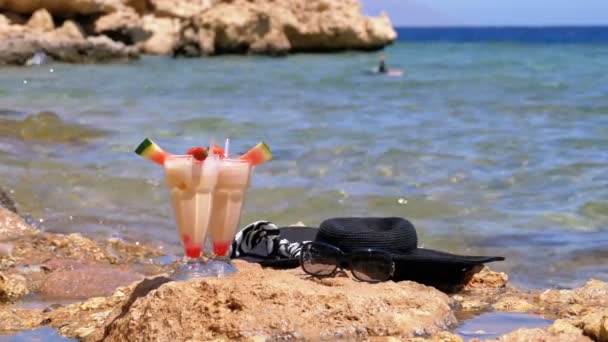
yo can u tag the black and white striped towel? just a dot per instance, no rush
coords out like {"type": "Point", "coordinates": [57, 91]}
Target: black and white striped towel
{"type": "Point", "coordinates": [246, 241]}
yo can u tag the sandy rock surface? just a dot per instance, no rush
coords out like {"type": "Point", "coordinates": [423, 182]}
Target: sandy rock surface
{"type": "Point", "coordinates": [283, 304]}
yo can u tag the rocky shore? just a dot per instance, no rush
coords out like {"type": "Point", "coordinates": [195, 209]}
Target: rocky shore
{"type": "Point", "coordinates": [81, 31]}
{"type": "Point", "coordinates": [116, 291]}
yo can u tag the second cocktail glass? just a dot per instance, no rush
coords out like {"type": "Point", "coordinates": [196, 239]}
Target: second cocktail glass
{"type": "Point", "coordinates": [234, 178]}
{"type": "Point", "coordinates": [192, 184]}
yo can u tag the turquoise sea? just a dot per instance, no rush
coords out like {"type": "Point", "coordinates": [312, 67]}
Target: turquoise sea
{"type": "Point", "coordinates": [496, 148]}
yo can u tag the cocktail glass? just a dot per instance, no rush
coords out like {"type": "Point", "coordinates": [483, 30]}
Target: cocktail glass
{"type": "Point", "coordinates": [234, 178]}
{"type": "Point", "coordinates": [192, 184]}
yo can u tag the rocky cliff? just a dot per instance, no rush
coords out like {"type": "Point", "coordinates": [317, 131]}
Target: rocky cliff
{"type": "Point", "coordinates": [105, 30]}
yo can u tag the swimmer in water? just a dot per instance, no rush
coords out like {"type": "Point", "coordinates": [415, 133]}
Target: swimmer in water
{"type": "Point", "coordinates": [382, 66]}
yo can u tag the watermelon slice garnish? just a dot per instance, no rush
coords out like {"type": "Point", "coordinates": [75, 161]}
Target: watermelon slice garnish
{"type": "Point", "coordinates": [259, 154]}
{"type": "Point", "coordinates": [148, 149]}
{"type": "Point", "coordinates": [199, 153]}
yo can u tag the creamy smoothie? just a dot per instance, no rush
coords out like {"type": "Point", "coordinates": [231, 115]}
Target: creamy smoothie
{"type": "Point", "coordinates": [233, 180]}
{"type": "Point", "coordinates": [191, 183]}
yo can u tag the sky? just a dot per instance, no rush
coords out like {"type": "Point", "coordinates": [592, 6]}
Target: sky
{"type": "Point", "coordinates": [490, 12]}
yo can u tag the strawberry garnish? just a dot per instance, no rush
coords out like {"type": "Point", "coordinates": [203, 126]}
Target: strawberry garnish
{"type": "Point", "coordinates": [219, 152]}
{"type": "Point", "coordinates": [199, 153]}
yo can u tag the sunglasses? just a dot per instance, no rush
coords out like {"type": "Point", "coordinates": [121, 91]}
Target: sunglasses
{"type": "Point", "coordinates": [323, 260]}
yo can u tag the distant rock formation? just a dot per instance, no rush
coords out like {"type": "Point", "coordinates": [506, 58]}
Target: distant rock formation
{"type": "Point", "coordinates": [18, 43]}
{"type": "Point", "coordinates": [108, 30]}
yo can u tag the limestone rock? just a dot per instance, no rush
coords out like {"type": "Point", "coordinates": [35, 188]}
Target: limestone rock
{"type": "Point", "coordinates": [165, 35]}
{"type": "Point", "coordinates": [85, 281]}
{"type": "Point", "coordinates": [125, 26]}
{"type": "Point", "coordinates": [41, 21]}
{"type": "Point", "coordinates": [487, 278]}
{"type": "Point", "coordinates": [260, 26]}
{"type": "Point", "coordinates": [14, 319]}
{"type": "Point", "coordinates": [15, 18]}
{"type": "Point", "coordinates": [11, 225]}
{"type": "Point", "coordinates": [551, 334]}
{"type": "Point", "coordinates": [18, 47]}
{"type": "Point", "coordinates": [191, 28]}
{"type": "Point", "coordinates": [282, 304]}
{"type": "Point", "coordinates": [513, 304]}
{"type": "Point", "coordinates": [12, 287]}
{"type": "Point", "coordinates": [63, 8]}
{"type": "Point", "coordinates": [70, 30]}
{"type": "Point", "coordinates": [595, 325]}
{"type": "Point", "coordinates": [576, 302]}
{"type": "Point", "coordinates": [4, 24]}
{"type": "Point", "coordinates": [178, 8]}
{"type": "Point", "coordinates": [563, 326]}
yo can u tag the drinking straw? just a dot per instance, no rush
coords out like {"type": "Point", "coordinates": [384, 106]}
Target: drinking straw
{"type": "Point", "coordinates": [210, 149]}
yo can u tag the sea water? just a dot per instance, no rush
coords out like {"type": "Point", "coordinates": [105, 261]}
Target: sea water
{"type": "Point", "coordinates": [488, 147]}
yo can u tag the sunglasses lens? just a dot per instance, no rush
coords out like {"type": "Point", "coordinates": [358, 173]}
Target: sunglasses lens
{"type": "Point", "coordinates": [371, 266]}
{"type": "Point", "coordinates": [319, 259]}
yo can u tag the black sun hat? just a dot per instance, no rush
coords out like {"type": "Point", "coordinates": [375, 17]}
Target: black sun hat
{"type": "Point", "coordinates": [264, 243]}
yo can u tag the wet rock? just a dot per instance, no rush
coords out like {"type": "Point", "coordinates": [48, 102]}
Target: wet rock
{"type": "Point", "coordinates": [554, 333]}
{"type": "Point", "coordinates": [489, 290]}
{"type": "Point", "coordinates": [229, 308]}
{"type": "Point", "coordinates": [12, 287]}
{"type": "Point", "coordinates": [14, 319]}
{"type": "Point", "coordinates": [443, 336]}
{"type": "Point", "coordinates": [96, 313]}
{"type": "Point", "coordinates": [6, 202]}
{"type": "Point", "coordinates": [55, 250]}
{"type": "Point", "coordinates": [47, 126]}
{"type": "Point", "coordinates": [86, 281]}
{"type": "Point", "coordinates": [13, 226]}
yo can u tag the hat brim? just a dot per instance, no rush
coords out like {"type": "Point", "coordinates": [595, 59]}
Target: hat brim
{"type": "Point", "coordinates": [434, 256]}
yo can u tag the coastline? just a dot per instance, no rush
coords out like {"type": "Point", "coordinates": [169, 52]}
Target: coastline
{"type": "Point", "coordinates": [118, 30]}
{"type": "Point", "coordinates": [117, 289]}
